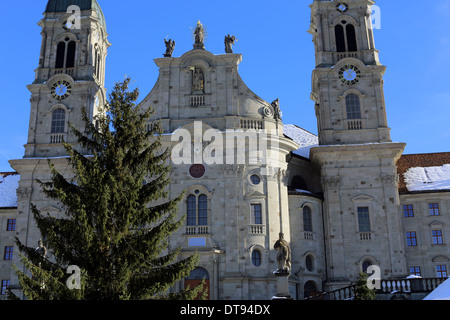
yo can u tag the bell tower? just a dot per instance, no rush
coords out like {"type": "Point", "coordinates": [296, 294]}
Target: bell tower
{"type": "Point", "coordinates": [356, 155]}
{"type": "Point", "coordinates": [70, 75]}
{"type": "Point", "coordinates": [348, 78]}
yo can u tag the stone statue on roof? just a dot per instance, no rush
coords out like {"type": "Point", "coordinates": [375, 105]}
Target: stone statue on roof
{"type": "Point", "coordinates": [170, 47]}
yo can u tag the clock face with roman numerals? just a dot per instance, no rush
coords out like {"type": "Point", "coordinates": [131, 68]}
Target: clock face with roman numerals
{"type": "Point", "coordinates": [349, 74]}
{"type": "Point", "coordinates": [61, 89]}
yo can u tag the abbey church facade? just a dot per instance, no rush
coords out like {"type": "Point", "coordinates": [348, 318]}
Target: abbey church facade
{"type": "Point", "coordinates": [345, 200]}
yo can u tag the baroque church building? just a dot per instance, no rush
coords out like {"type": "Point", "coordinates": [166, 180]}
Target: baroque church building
{"type": "Point", "coordinates": [345, 200]}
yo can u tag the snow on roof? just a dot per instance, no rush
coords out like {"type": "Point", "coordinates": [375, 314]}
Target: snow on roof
{"type": "Point", "coordinates": [305, 139]}
{"type": "Point", "coordinates": [428, 178]}
{"type": "Point", "coordinates": [9, 182]}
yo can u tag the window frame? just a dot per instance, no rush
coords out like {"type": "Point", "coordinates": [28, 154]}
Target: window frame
{"type": "Point", "coordinates": [5, 285]}
{"type": "Point", "coordinates": [437, 237]}
{"type": "Point", "coordinates": [408, 212]}
{"type": "Point", "coordinates": [58, 125]}
{"type": "Point", "coordinates": [9, 253]}
{"type": "Point", "coordinates": [363, 221]}
{"type": "Point", "coordinates": [415, 270]}
{"type": "Point", "coordinates": [307, 219]}
{"type": "Point", "coordinates": [194, 216]}
{"type": "Point", "coordinates": [11, 224]}
{"type": "Point", "coordinates": [253, 218]}
{"type": "Point", "coordinates": [434, 211]}
{"type": "Point", "coordinates": [411, 240]}
{"type": "Point", "coordinates": [441, 271]}
{"type": "Point", "coordinates": [256, 258]}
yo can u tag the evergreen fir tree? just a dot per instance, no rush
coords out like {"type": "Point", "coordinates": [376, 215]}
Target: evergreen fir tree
{"type": "Point", "coordinates": [119, 214]}
{"type": "Point", "coordinates": [362, 291]}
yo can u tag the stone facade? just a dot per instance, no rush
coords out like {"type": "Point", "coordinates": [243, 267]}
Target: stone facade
{"type": "Point", "coordinates": [336, 197]}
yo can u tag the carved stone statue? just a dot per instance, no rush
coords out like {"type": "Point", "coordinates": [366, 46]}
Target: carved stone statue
{"type": "Point", "coordinates": [170, 47]}
{"type": "Point", "coordinates": [197, 81]}
{"type": "Point", "coordinates": [199, 36]}
{"type": "Point", "coordinates": [283, 255]}
{"type": "Point", "coordinates": [277, 114]}
{"type": "Point", "coordinates": [229, 42]}
{"type": "Point", "coordinates": [41, 250]}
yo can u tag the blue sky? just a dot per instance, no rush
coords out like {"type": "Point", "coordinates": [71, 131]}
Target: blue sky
{"type": "Point", "coordinates": [278, 58]}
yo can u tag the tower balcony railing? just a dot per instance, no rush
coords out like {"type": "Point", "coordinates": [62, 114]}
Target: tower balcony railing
{"type": "Point", "coordinates": [57, 138]}
{"type": "Point", "coordinates": [355, 124]}
{"type": "Point", "coordinates": [69, 71]}
{"type": "Point", "coordinates": [343, 55]}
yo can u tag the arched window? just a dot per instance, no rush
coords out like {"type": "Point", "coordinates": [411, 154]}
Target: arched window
{"type": "Point", "coordinates": [256, 258]}
{"type": "Point", "coordinates": [65, 54]}
{"type": "Point", "coordinates": [197, 209]}
{"type": "Point", "coordinates": [365, 265]}
{"type": "Point", "coordinates": [309, 261]}
{"type": "Point", "coordinates": [345, 37]}
{"type": "Point", "coordinates": [351, 38]}
{"type": "Point", "coordinates": [340, 38]}
{"type": "Point", "coordinates": [353, 106]}
{"type": "Point", "coordinates": [70, 61]}
{"type": "Point", "coordinates": [307, 219]}
{"type": "Point", "coordinates": [58, 121]}
{"type": "Point", "coordinates": [60, 55]}
{"type": "Point", "coordinates": [195, 278]}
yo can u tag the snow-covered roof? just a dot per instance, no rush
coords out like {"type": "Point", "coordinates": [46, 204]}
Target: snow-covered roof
{"type": "Point", "coordinates": [305, 139]}
{"type": "Point", "coordinates": [428, 172]}
{"type": "Point", "coordinates": [9, 182]}
{"type": "Point", "coordinates": [428, 178]}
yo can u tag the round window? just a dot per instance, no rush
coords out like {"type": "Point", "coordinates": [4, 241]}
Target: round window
{"type": "Point", "coordinates": [255, 179]}
{"type": "Point", "coordinates": [197, 170]}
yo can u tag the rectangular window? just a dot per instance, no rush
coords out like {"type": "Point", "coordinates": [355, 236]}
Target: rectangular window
{"type": "Point", "coordinates": [433, 209]}
{"type": "Point", "coordinates": [256, 217]}
{"type": "Point", "coordinates": [11, 226]}
{"type": "Point", "coordinates": [411, 239]}
{"type": "Point", "coordinates": [437, 237]}
{"type": "Point", "coordinates": [8, 253]}
{"type": "Point", "coordinates": [415, 271]}
{"type": "Point", "coordinates": [363, 219]}
{"type": "Point", "coordinates": [408, 211]}
{"type": "Point", "coordinates": [5, 285]}
{"type": "Point", "coordinates": [441, 271]}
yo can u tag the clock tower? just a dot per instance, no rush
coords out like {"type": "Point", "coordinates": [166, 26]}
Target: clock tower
{"type": "Point", "coordinates": [70, 78]}
{"type": "Point", "coordinates": [70, 75]}
{"type": "Point", "coordinates": [356, 155]}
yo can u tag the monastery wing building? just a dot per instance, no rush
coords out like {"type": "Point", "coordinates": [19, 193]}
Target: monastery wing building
{"type": "Point", "coordinates": [345, 200]}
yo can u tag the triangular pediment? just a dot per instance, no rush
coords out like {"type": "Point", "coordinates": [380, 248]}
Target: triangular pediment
{"type": "Point", "coordinates": [362, 198]}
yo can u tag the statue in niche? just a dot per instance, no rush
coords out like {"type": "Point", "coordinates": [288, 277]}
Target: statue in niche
{"type": "Point", "coordinates": [277, 114]}
{"type": "Point", "coordinates": [197, 81]}
{"type": "Point", "coordinates": [283, 255]}
{"type": "Point", "coordinates": [170, 47]}
{"type": "Point", "coordinates": [199, 34]}
{"type": "Point", "coordinates": [229, 42]}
